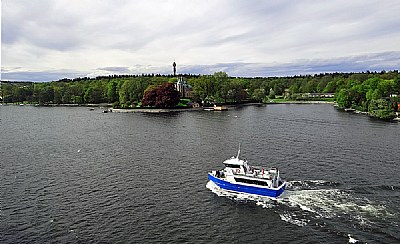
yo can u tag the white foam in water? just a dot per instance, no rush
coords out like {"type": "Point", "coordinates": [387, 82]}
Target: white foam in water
{"type": "Point", "coordinates": [287, 217]}
{"type": "Point", "coordinates": [352, 239]}
{"type": "Point", "coordinates": [334, 203]}
{"type": "Point", "coordinates": [315, 203]}
{"type": "Point", "coordinates": [308, 184]}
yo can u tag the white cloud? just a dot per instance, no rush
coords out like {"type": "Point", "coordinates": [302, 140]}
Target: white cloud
{"type": "Point", "coordinates": [83, 36]}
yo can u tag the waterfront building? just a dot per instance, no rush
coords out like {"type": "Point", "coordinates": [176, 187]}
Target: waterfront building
{"type": "Point", "coordinates": [185, 90]}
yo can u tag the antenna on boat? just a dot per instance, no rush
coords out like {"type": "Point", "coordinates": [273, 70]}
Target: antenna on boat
{"type": "Point", "coordinates": [238, 152]}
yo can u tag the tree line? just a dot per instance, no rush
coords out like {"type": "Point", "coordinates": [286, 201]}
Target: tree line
{"type": "Point", "coordinates": [365, 91]}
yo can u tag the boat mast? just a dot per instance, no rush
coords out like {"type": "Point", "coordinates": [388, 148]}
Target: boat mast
{"type": "Point", "coordinates": [1, 90]}
{"type": "Point", "coordinates": [238, 152]}
{"type": "Point", "coordinates": [277, 179]}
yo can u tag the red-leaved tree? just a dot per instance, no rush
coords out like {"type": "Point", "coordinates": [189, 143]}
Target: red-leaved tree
{"type": "Point", "coordinates": [162, 96]}
{"type": "Point", "coordinates": [149, 97]}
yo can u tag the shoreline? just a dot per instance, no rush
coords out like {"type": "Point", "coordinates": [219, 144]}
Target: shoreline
{"type": "Point", "coordinates": [301, 102]}
{"type": "Point", "coordinates": [153, 110]}
{"type": "Point", "coordinates": [108, 107]}
{"type": "Point", "coordinates": [167, 110]}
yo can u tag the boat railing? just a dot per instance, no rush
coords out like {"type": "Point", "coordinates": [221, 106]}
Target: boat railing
{"type": "Point", "coordinates": [256, 174]}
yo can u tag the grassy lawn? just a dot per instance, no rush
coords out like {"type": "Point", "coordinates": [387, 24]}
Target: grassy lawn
{"type": "Point", "coordinates": [183, 102]}
{"type": "Point", "coordinates": [282, 100]}
{"type": "Point", "coordinates": [277, 100]}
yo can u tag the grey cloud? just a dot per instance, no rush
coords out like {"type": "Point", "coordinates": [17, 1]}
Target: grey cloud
{"type": "Point", "coordinates": [40, 76]}
{"type": "Point", "coordinates": [39, 23]}
{"type": "Point", "coordinates": [239, 37]}
{"type": "Point", "coordinates": [9, 32]}
{"type": "Point", "coordinates": [119, 70]}
{"type": "Point", "coordinates": [372, 62]}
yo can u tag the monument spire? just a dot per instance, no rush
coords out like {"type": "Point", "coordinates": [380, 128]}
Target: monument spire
{"type": "Point", "coordinates": [174, 67]}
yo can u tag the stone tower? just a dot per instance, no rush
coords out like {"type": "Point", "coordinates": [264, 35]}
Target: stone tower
{"type": "Point", "coordinates": [174, 67]}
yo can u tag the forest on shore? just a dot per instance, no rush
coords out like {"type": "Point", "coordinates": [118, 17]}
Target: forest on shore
{"type": "Point", "coordinates": [373, 92]}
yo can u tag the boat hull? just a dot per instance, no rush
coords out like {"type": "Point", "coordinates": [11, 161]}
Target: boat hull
{"type": "Point", "coordinates": [237, 187]}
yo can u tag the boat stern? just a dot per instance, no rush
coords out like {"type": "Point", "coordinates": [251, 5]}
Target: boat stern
{"type": "Point", "coordinates": [281, 189]}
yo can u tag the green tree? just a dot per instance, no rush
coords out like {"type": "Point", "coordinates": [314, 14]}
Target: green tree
{"type": "Point", "coordinates": [17, 94]}
{"type": "Point", "coordinates": [372, 94]}
{"type": "Point", "coordinates": [94, 95]}
{"type": "Point", "coordinates": [397, 85]}
{"type": "Point", "coordinates": [382, 109]}
{"type": "Point", "coordinates": [43, 93]}
{"type": "Point", "coordinates": [77, 93]}
{"type": "Point", "coordinates": [271, 93]}
{"type": "Point", "coordinates": [67, 96]}
{"type": "Point", "coordinates": [330, 87]}
{"type": "Point", "coordinates": [371, 83]}
{"type": "Point", "coordinates": [258, 95]}
{"type": "Point", "coordinates": [58, 94]}
{"type": "Point", "coordinates": [77, 99]}
{"type": "Point", "coordinates": [386, 87]}
{"type": "Point", "coordinates": [6, 92]}
{"type": "Point", "coordinates": [132, 90]}
{"type": "Point", "coordinates": [236, 91]}
{"type": "Point", "coordinates": [311, 86]}
{"type": "Point", "coordinates": [222, 86]}
{"type": "Point", "coordinates": [112, 94]}
{"type": "Point", "coordinates": [253, 84]}
{"type": "Point", "coordinates": [343, 99]}
{"type": "Point", "coordinates": [204, 86]}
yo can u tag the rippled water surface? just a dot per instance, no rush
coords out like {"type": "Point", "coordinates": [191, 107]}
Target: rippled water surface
{"type": "Point", "coordinates": [70, 175]}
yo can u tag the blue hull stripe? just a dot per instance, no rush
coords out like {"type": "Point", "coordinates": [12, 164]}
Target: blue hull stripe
{"type": "Point", "coordinates": [247, 189]}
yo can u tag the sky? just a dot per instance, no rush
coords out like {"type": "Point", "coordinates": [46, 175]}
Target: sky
{"type": "Point", "coordinates": [45, 40]}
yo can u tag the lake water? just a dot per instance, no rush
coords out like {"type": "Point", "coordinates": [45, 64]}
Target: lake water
{"type": "Point", "coordinates": [70, 175]}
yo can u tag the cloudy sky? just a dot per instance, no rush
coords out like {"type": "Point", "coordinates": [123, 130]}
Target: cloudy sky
{"type": "Point", "coordinates": [44, 40]}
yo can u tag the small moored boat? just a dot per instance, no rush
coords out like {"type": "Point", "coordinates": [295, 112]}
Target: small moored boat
{"type": "Point", "coordinates": [238, 176]}
{"type": "Point", "coordinates": [220, 108]}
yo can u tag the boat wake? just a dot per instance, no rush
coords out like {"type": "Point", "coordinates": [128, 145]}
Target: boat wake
{"type": "Point", "coordinates": [311, 185]}
{"type": "Point", "coordinates": [326, 200]}
{"type": "Point", "coordinates": [322, 204]}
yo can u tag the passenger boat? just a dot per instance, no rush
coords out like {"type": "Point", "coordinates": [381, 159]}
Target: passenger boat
{"type": "Point", "coordinates": [239, 176]}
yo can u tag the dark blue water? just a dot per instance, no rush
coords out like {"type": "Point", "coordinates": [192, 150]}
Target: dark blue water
{"type": "Point", "coordinates": [70, 175]}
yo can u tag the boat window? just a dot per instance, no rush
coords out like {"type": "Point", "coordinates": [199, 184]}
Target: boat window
{"type": "Point", "coordinates": [254, 182]}
{"type": "Point", "coordinates": [235, 166]}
